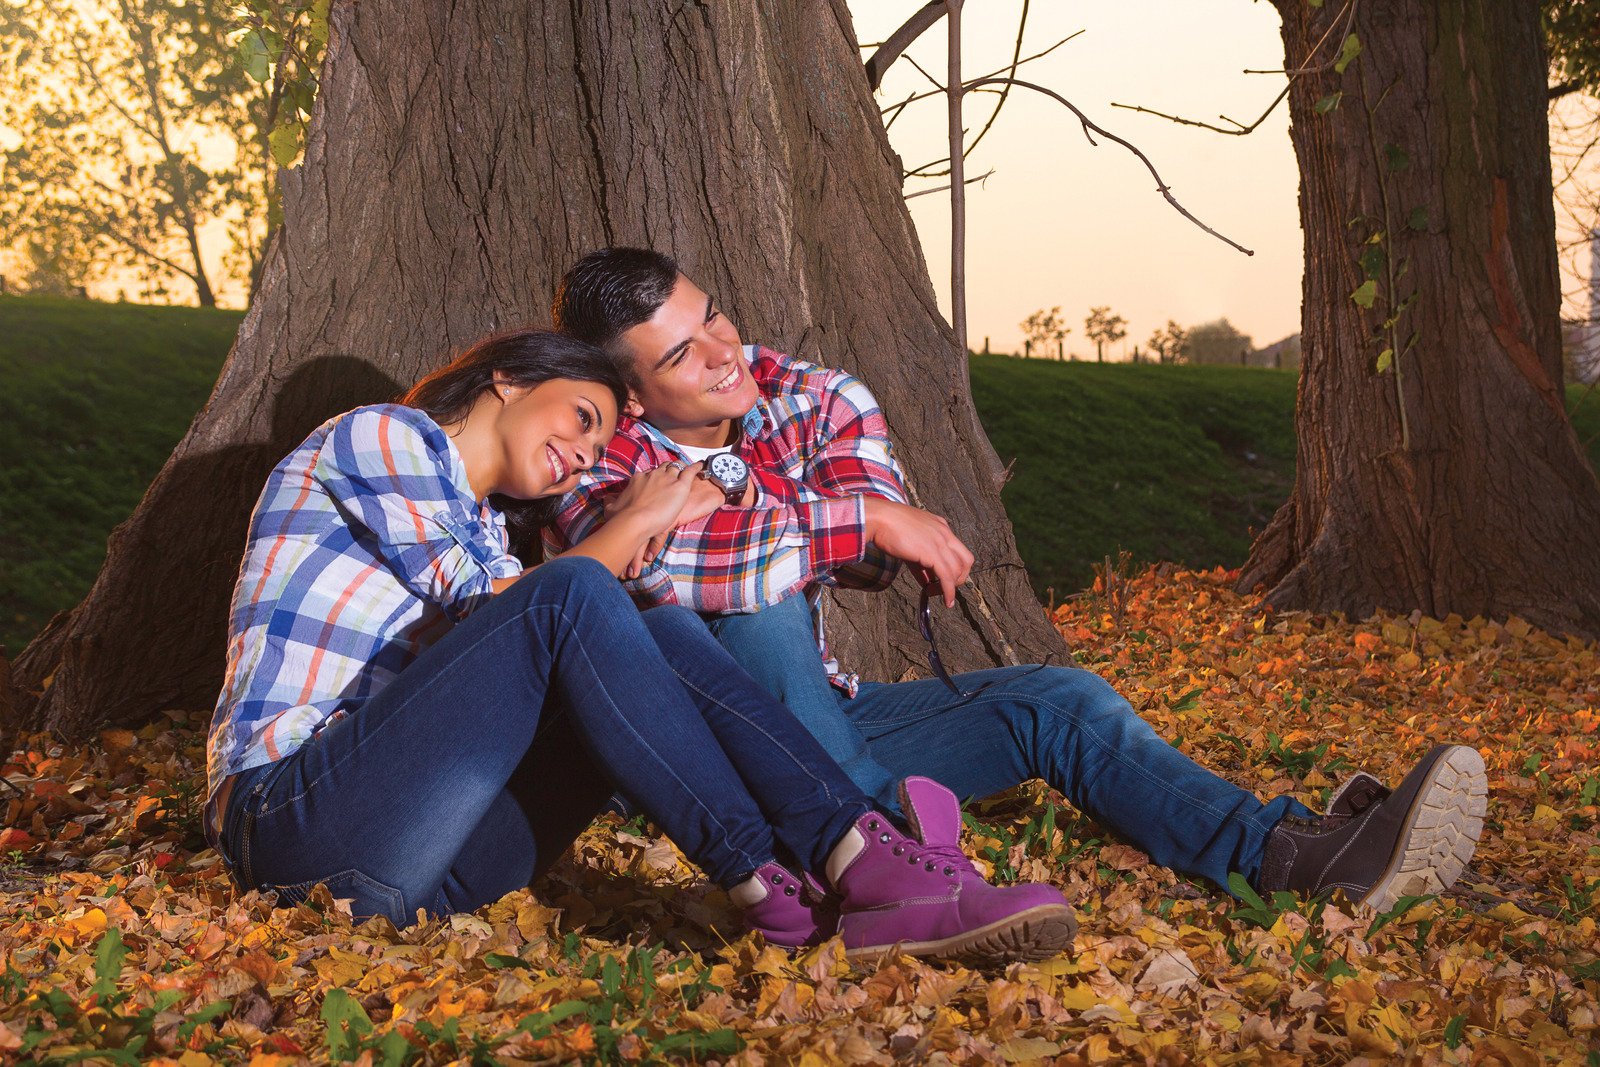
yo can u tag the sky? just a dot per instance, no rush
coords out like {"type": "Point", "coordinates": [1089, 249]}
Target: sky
{"type": "Point", "coordinates": [1064, 223]}
{"type": "Point", "coordinates": [1061, 222]}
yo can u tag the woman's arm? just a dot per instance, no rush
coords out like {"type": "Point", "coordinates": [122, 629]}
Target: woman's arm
{"type": "Point", "coordinates": [647, 506]}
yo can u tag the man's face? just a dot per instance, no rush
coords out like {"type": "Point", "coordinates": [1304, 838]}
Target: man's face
{"type": "Point", "coordinates": [694, 378]}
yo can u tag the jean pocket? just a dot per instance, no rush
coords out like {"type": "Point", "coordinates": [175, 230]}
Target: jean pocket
{"type": "Point", "coordinates": [367, 896]}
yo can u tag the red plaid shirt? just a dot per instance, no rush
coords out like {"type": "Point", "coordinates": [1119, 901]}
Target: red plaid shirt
{"type": "Point", "coordinates": [816, 443]}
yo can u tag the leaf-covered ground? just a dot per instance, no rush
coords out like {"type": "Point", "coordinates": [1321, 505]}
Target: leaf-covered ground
{"type": "Point", "coordinates": [120, 941]}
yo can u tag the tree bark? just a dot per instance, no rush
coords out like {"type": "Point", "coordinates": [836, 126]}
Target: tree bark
{"type": "Point", "coordinates": [462, 155]}
{"type": "Point", "coordinates": [1451, 482]}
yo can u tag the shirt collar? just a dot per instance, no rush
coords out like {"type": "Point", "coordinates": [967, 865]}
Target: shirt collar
{"type": "Point", "coordinates": [752, 424]}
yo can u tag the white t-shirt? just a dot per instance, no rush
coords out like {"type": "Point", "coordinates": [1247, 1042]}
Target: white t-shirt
{"type": "Point", "coordinates": [696, 455]}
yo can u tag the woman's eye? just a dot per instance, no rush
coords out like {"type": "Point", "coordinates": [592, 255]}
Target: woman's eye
{"type": "Point", "coordinates": [585, 419]}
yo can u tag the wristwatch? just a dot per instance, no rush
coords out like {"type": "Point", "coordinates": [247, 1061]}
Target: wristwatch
{"type": "Point", "coordinates": [729, 472]}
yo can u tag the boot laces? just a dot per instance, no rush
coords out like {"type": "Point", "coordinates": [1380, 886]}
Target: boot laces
{"type": "Point", "coordinates": [948, 858]}
{"type": "Point", "coordinates": [1358, 799]}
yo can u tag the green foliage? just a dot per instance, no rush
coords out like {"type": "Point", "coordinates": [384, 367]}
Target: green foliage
{"type": "Point", "coordinates": [1572, 29]}
{"type": "Point", "coordinates": [1216, 342]}
{"type": "Point", "coordinates": [280, 46]}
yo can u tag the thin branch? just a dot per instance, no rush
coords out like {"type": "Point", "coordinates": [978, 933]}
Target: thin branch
{"type": "Point", "coordinates": [1088, 126]}
{"type": "Point", "coordinates": [958, 186]}
{"type": "Point", "coordinates": [941, 188]}
{"type": "Point", "coordinates": [1349, 13]}
{"type": "Point", "coordinates": [898, 111]}
{"type": "Point", "coordinates": [938, 87]}
{"type": "Point", "coordinates": [1016, 55]}
{"type": "Point", "coordinates": [1558, 91]}
{"type": "Point", "coordinates": [1239, 132]}
{"type": "Point", "coordinates": [914, 97]}
{"type": "Point", "coordinates": [901, 39]}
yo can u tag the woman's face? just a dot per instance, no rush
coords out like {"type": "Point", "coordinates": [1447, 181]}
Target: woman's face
{"type": "Point", "coordinates": [549, 434]}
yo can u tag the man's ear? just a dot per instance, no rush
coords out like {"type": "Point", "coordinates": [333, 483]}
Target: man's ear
{"type": "Point", "coordinates": [633, 409]}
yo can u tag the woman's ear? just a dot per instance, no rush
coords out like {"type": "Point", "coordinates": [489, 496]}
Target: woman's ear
{"type": "Point", "coordinates": [505, 390]}
{"type": "Point", "coordinates": [633, 409]}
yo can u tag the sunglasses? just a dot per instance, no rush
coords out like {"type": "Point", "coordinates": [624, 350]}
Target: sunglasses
{"type": "Point", "coordinates": [925, 618]}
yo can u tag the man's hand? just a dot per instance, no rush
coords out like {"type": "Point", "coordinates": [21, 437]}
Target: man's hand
{"type": "Point", "coordinates": [921, 538]}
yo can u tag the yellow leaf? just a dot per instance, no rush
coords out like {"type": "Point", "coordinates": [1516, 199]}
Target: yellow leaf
{"type": "Point", "coordinates": [1078, 998]}
{"type": "Point", "coordinates": [1408, 661]}
{"type": "Point", "coordinates": [1028, 1049]}
{"type": "Point", "coordinates": [1508, 913]}
{"type": "Point", "coordinates": [91, 923]}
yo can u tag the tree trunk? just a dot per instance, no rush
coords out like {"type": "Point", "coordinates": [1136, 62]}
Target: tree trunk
{"type": "Point", "coordinates": [1452, 481]}
{"type": "Point", "coordinates": [462, 155]}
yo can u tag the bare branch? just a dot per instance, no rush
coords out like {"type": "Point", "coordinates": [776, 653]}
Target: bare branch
{"type": "Point", "coordinates": [1240, 131]}
{"type": "Point", "coordinates": [1089, 129]}
{"type": "Point", "coordinates": [901, 39]}
{"type": "Point", "coordinates": [1016, 54]}
{"type": "Point", "coordinates": [985, 176]}
{"type": "Point", "coordinates": [914, 97]}
{"type": "Point", "coordinates": [958, 186]}
{"type": "Point", "coordinates": [938, 86]}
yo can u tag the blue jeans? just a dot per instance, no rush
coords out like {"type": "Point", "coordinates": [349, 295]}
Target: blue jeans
{"type": "Point", "coordinates": [474, 769]}
{"type": "Point", "coordinates": [1065, 725]}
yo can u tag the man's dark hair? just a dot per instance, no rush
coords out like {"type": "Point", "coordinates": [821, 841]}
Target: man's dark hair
{"type": "Point", "coordinates": [610, 291]}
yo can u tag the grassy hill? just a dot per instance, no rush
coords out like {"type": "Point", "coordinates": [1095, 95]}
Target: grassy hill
{"type": "Point", "coordinates": [1174, 463]}
{"type": "Point", "coordinates": [95, 397]}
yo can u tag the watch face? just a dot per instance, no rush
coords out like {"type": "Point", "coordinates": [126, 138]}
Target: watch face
{"type": "Point", "coordinates": [728, 469]}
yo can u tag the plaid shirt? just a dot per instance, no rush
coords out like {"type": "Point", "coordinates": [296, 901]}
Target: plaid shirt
{"type": "Point", "coordinates": [365, 547]}
{"type": "Point", "coordinates": [816, 442]}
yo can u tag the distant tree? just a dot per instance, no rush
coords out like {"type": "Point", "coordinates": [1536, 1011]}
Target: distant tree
{"type": "Point", "coordinates": [1103, 327]}
{"type": "Point", "coordinates": [1167, 343]}
{"type": "Point", "coordinates": [139, 124]}
{"type": "Point", "coordinates": [1216, 342]}
{"type": "Point", "coordinates": [1045, 328]}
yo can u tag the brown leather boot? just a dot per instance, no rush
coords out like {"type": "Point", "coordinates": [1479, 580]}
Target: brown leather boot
{"type": "Point", "coordinates": [1378, 845]}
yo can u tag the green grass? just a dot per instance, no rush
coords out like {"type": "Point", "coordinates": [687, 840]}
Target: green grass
{"type": "Point", "coordinates": [1168, 463]}
{"type": "Point", "coordinates": [94, 398]}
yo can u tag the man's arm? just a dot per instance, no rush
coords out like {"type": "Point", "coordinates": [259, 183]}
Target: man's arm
{"type": "Point", "coordinates": [734, 560]}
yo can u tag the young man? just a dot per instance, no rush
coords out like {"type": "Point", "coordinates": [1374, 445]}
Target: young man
{"type": "Point", "coordinates": [819, 500]}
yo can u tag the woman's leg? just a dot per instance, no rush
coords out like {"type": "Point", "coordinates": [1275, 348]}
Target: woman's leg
{"type": "Point", "coordinates": [384, 800]}
{"type": "Point", "coordinates": [794, 781]}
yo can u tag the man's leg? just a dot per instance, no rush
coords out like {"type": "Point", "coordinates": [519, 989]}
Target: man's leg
{"type": "Point", "coordinates": [1071, 728]}
{"type": "Point", "coordinates": [778, 648]}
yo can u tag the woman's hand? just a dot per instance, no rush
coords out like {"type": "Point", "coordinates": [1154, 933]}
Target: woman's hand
{"type": "Point", "coordinates": [652, 501]}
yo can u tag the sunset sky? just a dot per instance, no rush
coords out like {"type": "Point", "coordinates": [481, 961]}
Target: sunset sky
{"type": "Point", "coordinates": [1061, 222]}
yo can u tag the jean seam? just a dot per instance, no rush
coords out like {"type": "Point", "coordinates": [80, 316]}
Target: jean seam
{"type": "Point", "coordinates": [761, 730]}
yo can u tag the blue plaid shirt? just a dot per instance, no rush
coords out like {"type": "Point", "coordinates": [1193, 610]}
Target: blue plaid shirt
{"type": "Point", "coordinates": [365, 547]}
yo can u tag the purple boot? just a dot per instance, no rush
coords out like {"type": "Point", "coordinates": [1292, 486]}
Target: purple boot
{"type": "Point", "coordinates": [785, 909]}
{"type": "Point", "coordinates": [923, 897]}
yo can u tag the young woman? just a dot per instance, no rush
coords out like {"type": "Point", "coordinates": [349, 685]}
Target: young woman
{"type": "Point", "coordinates": [414, 721]}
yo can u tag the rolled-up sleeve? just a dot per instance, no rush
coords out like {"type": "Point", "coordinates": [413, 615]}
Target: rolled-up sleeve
{"type": "Point", "coordinates": [394, 487]}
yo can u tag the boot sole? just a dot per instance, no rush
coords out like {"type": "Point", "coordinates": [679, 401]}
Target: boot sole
{"type": "Point", "coordinates": [1036, 934]}
{"type": "Point", "coordinates": [1440, 833]}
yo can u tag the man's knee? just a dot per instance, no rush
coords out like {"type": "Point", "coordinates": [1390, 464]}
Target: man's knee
{"type": "Point", "coordinates": [1082, 693]}
{"type": "Point", "coordinates": [673, 621]}
{"type": "Point", "coordinates": [787, 619]}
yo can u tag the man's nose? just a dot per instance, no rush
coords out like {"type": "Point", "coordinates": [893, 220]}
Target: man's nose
{"type": "Point", "coordinates": [722, 353]}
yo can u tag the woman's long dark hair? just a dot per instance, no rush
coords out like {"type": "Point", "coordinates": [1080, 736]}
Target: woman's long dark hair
{"type": "Point", "coordinates": [523, 357]}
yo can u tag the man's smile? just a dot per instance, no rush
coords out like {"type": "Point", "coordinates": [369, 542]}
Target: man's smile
{"type": "Point", "coordinates": [731, 382]}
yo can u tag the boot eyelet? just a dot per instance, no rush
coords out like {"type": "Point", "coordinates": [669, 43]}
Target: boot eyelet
{"type": "Point", "coordinates": [899, 850]}
{"type": "Point", "coordinates": [883, 839]}
{"type": "Point", "coordinates": [949, 871]}
{"type": "Point", "coordinates": [873, 825]}
{"type": "Point", "coordinates": [777, 879]}
{"type": "Point", "coordinates": [929, 865]}
{"type": "Point", "coordinates": [788, 890]}
{"type": "Point", "coordinates": [911, 860]}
